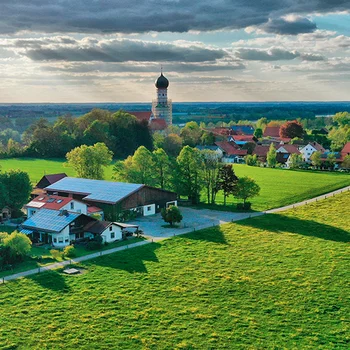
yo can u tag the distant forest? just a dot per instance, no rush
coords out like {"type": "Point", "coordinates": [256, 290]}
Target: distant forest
{"type": "Point", "coordinates": [26, 114]}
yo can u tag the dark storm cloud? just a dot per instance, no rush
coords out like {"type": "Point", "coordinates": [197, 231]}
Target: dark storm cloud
{"type": "Point", "coordinates": [293, 26]}
{"type": "Point", "coordinates": [136, 16]}
{"type": "Point", "coordinates": [123, 51]}
{"type": "Point", "coordinates": [274, 54]}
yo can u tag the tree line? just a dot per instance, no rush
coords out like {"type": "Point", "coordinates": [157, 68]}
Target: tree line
{"type": "Point", "coordinates": [190, 174]}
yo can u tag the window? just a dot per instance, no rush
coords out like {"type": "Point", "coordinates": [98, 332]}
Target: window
{"type": "Point", "coordinates": [66, 240]}
{"type": "Point", "coordinates": [149, 208]}
{"type": "Point", "coordinates": [110, 228]}
{"type": "Point", "coordinates": [112, 235]}
{"type": "Point", "coordinates": [55, 240]}
{"type": "Point", "coordinates": [60, 239]}
{"type": "Point", "coordinates": [72, 205]}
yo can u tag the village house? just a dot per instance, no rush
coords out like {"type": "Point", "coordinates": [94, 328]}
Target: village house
{"type": "Point", "coordinates": [56, 227]}
{"type": "Point", "coordinates": [309, 150]}
{"type": "Point", "coordinates": [60, 203]}
{"type": "Point", "coordinates": [232, 153]}
{"type": "Point", "coordinates": [109, 231]}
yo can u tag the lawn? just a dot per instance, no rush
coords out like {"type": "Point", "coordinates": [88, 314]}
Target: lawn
{"type": "Point", "coordinates": [278, 187]}
{"type": "Point", "coordinates": [271, 282]}
{"type": "Point", "coordinates": [281, 187]}
{"type": "Point", "coordinates": [33, 261]}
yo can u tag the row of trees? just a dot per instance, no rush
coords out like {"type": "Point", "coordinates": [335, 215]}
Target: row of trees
{"type": "Point", "coordinates": [120, 131]}
{"type": "Point", "coordinates": [190, 174]}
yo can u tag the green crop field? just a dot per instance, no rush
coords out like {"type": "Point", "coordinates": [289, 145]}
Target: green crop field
{"type": "Point", "coordinates": [280, 281]}
{"type": "Point", "coordinates": [278, 187]}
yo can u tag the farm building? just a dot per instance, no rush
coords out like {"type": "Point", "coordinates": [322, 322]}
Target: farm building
{"type": "Point", "coordinates": [60, 203]}
{"type": "Point", "coordinates": [114, 198]}
{"type": "Point", "coordinates": [58, 228]}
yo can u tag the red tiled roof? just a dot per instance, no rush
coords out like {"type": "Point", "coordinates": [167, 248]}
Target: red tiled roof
{"type": "Point", "coordinates": [93, 209]}
{"type": "Point", "coordinates": [272, 131]}
{"type": "Point", "coordinates": [243, 137]}
{"type": "Point", "coordinates": [346, 149]}
{"type": "Point", "coordinates": [158, 124]}
{"type": "Point", "coordinates": [49, 202]}
{"type": "Point", "coordinates": [141, 115]}
{"type": "Point", "coordinates": [290, 148]}
{"type": "Point", "coordinates": [231, 149]}
{"type": "Point", "coordinates": [261, 151]}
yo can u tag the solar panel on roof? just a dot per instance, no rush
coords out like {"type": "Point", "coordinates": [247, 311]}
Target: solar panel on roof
{"type": "Point", "coordinates": [49, 220]}
{"type": "Point", "coordinates": [97, 190]}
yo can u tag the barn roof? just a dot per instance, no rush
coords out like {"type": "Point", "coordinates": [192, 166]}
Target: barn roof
{"type": "Point", "coordinates": [95, 190]}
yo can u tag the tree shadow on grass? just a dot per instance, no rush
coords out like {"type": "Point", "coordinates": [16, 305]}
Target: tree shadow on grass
{"type": "Point", "coordinates": [212, 234]}
{"type": "Point", "coordinates": [130, 260]}
{"type": "Point", "coordinates": [279, 222]}
{"type": "Point", "coordinates": [51, 280]}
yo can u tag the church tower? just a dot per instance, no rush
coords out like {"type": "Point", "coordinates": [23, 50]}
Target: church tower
{"type": "Point", "coordinates": [162, 106]}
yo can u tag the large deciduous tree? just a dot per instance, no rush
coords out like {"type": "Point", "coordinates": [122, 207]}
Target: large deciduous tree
{"type": "Point", "coordinates": [291, 130]}
{"type": "Point", "coordinates": [316, 159]}
{"type": "Point", "coordinates": [89, 161]}
{"type": "Point", "coordinates": [190, 180]}
{"type": "Point", "coordinates": [162, 168]}
{"type": "Point", "coordinates": [211, 162]}
{"type": "Point", "coordinates": [271, 156]}
{"type": "Point", "coordinates": [17, 188]}
{"type": "Point", "coordinates": [246, 188]}
{"type": "Point", "coordinates": [191, 134]}
{"type": "Point", "coordinates": [226, 181]}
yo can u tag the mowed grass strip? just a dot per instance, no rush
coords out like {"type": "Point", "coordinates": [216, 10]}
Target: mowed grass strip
{"type": "Point", "coordinates": [278, 187]}
{"type": "Point", "coordinates": [277, 281]}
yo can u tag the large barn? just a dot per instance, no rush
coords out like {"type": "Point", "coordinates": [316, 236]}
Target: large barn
{"type": "Point", "coordinates": [114, 198]}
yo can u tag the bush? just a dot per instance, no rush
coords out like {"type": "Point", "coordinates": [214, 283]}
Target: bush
{"type": "Point", "coordinates": [171, 215]}
{"type": "Point", "coordinates": [56, 254]}
{"type": "Point", "coordinates": [244, 206]}
{"type": "Point", "coordinates": [69, 251]}
{"type": "Point", "coordinates": [93, 245]}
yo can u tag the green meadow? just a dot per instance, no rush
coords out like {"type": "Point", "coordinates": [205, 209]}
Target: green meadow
{"type": "Point", "coordinates": [270, 282]}
{"type": "Point", "coordinates": [278, 187]}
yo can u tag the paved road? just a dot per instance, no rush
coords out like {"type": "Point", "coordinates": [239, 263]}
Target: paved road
{"type": "Point", "coordinates": [194, 219]}
{"type": "Point", "coordinates": [315, 199]}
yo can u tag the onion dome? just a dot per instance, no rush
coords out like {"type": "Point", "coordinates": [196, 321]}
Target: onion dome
{"type": "Point", "coordinates": [162, 82]}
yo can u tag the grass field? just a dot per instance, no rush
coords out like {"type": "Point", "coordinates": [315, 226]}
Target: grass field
{"type": "Point", "coordinates": [33, 261]}
{"type": "Point", "coordinates": [278, 187]}
{"type": "Point", "coordinates": [271, 282]}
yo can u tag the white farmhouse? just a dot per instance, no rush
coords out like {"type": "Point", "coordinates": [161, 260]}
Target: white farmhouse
{"type": "Point", "coordinates": [309, 149]}
{"type": "Point", "coordinates": [54, 202]}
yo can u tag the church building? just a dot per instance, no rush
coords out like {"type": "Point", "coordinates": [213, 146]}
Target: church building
{"type": "Point", "coordinates": [162, 106]}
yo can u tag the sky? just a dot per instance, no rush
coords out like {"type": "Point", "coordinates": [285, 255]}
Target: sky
{"type": "Point", "coordinates": [223, 50]}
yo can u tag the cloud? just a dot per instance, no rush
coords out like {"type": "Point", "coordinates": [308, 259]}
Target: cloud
{"type": "Point", "coordinates": [103, 67]}
{"type": "Point", "coordinates": [138, 16]}
{"type": "Point", "coordinates": [118, 50]}
{"type": "Point", "coordinates": [273, 54]}
{"type": "Point", "coordinates": [290, 25]}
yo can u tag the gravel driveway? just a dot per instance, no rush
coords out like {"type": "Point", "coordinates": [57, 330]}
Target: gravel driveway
{"type": "Point", "coordinates": [193, 219]}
